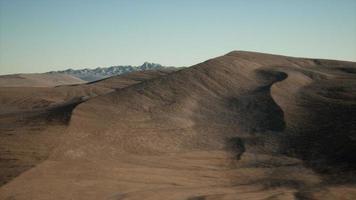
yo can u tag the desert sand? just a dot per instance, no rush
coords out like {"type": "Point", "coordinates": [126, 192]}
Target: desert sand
{"type": "Point", "coordinates": [241, 126]}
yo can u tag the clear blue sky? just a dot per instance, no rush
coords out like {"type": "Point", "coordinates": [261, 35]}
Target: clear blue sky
{"type": "Point", "coordinates": [43, 35]}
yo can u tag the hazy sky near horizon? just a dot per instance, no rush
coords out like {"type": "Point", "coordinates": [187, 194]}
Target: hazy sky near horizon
{"type": "Point", "coordinates": [44, 35]}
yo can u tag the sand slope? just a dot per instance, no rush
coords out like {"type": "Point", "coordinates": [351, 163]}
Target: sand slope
{"type": "Point", "coordinates": [33, 119]}
{"type": "Point", "coordinates": [241, 126]}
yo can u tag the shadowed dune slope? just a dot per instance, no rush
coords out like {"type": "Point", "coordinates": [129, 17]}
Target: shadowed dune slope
{"type": "Point", "coordinates": [241, 126]}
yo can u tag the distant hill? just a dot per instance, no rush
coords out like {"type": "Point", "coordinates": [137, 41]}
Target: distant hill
{"type": "Point", "coordinates": [105, 72]}
{"type": "Point", "coordinates": [38, 80]}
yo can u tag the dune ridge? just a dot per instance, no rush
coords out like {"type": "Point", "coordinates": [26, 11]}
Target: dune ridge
{"type": "Point", "coordinates": [38, 80]}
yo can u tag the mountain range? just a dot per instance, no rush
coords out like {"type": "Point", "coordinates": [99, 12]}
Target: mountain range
{"type": "Point", "coordinates": [105, 72]}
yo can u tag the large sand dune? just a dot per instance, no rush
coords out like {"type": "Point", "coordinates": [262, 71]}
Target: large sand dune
{"type": "Point", "coordinates": [241, 126]}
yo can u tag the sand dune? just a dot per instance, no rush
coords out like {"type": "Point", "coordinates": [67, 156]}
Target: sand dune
{"type": "Point", "coordinates": [38, 80]}
{"type": "Point", "coordinates": [241, 126]}
{"type": "Point", "coordinates": [33, 119]}
{"type": "Point", "coordinates": [17, 99]}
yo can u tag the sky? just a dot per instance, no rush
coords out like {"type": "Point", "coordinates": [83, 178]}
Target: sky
{"type": "Point", "coordinates": [45, 35]}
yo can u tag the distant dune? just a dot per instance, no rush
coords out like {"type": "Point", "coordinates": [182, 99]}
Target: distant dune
{"type": "Point", "coordinates": [241, 126]}
{"type": "Point", "coordinates": [38, 80]}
